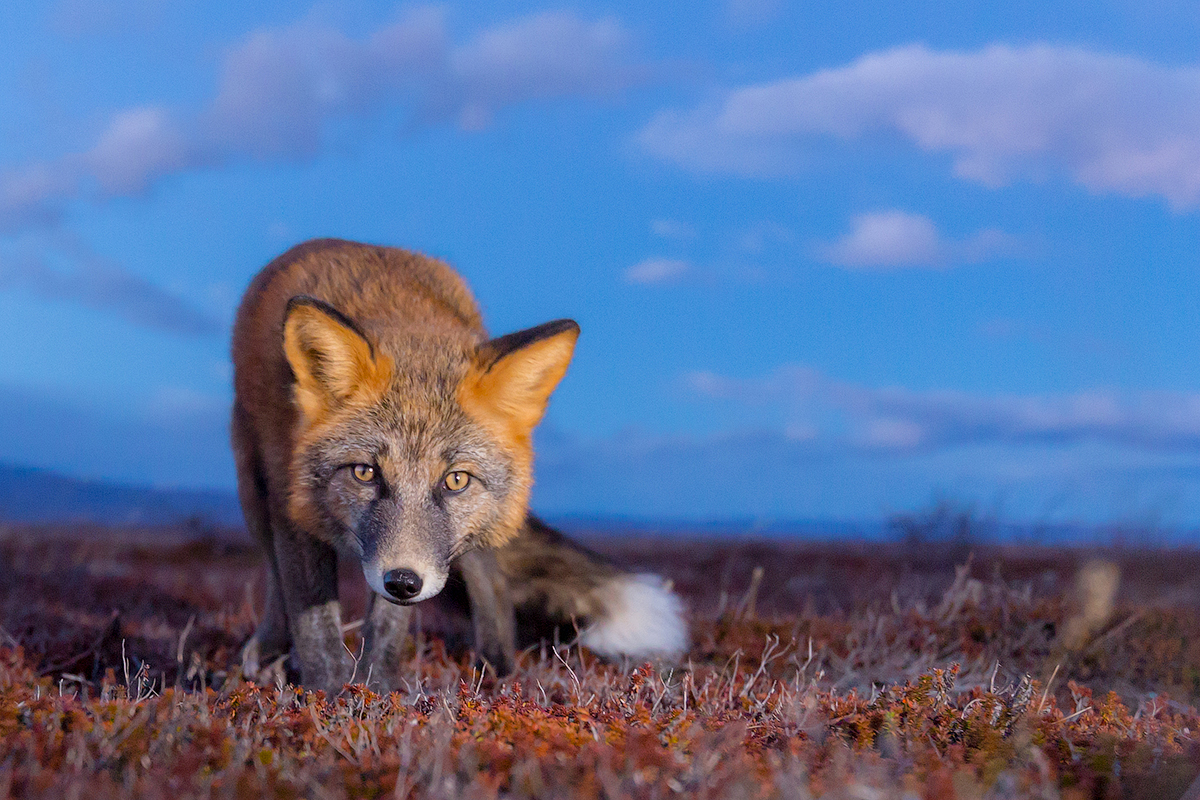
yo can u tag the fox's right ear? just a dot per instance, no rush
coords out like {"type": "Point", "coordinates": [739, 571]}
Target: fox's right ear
{"type": "Point", "coordinates": [330, 356]}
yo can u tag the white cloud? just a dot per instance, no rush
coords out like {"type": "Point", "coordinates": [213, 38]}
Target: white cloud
{"type": "Point", "coordinates": [276, 89]}
{"type": "Point", "coordinates": [139, 146]}
{"type": "Point", "coordinates": [894, 239]}
{"type": "Point", "coordinates": [888, 239]}
{"type": "Point", "coordinates": [893, 418]}
{"type": "Point", "coordinates": [657, 270]}
{"type": "Point", "coordinates": [1114, 124]}
{"type": "Point", "coordinates": [553, 54]}
{"type": "Point", "coordinates": [279, 88]}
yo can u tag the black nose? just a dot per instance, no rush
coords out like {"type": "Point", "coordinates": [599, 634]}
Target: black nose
{"type": "Point", "coordinates": [402, 584]}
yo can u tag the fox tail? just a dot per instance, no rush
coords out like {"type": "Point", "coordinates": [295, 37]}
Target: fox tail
{"type": "Point", "coordinates": [559, 586]}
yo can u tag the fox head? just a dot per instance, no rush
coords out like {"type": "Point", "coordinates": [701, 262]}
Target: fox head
{"type": "Point", "coordinates": [413, 456]}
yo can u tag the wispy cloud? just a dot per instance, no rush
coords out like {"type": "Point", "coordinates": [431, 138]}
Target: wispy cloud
{"type": "Point", "coordinates": [138, 147]}
{"type": "Point", "coordinates": [888, 239]}
{"type": "Point", "coordinates": [279, 88]}
{"type": "Point", "coordinates": [768, 473]}
{"type": "Point", "coordinates": [899, 419]}
{"type": "Point", "coordinates": [1114, 124]}
{"type": "Point", "coordinates": [893, 239]}
{"type": "Point", "coordinates": [658, 270]}
{"type": "Point", "coordinates": [95, 282]}
{"type": "Point", "coordinates": [549, 55]}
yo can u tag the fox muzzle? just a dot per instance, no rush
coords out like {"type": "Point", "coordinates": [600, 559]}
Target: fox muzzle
{"type": "Point", "coordinates": [405, 585]}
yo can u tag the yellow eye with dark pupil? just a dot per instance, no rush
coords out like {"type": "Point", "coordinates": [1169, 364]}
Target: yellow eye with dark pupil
{"type": "Point", "coordinates": [364, 473]}
{"type": "Point", "coordinates": [457, 481]}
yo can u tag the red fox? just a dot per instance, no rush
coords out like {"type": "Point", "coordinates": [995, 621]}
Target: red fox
{"type": "Point", "coordinates": [373, 416]}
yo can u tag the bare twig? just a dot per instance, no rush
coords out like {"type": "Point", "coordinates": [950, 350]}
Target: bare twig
{"type": "Point", "coordinates": [1046, 691]}
{"type": "Point", "coordinates": [187, 629]}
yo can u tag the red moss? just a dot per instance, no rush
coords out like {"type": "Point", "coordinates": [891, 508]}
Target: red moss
{"type": "Point", "coordinates": [899, 692]}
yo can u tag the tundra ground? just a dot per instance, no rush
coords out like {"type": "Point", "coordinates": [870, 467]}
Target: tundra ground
{"type": "Point", "coordinates": [924, 670]}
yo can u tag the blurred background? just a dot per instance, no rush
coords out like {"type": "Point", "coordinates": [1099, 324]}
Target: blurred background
{"type": "Point", "coordinates": [834, 263]}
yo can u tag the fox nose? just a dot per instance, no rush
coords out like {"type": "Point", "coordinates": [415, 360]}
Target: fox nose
{"type": "Point", "coordinates": [402, 584]}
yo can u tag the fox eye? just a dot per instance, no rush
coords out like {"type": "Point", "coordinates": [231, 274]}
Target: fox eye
{"type": "Point", "coordinates": [364, 473]}
{"type": "Point", "coordinates": [456, 481]}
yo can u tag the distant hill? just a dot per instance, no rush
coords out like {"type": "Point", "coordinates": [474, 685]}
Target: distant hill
{"type": "Point", "coordinates": [28, 494]}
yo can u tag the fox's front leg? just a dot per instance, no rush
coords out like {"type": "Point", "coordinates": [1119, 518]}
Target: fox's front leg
{"type": "Point", "coordinates": [384, 635]}
{"type": "Point", "coordinates": [491, 610]}
{"type": "Point", "coordinates": [308, 578]}
{"type": "Point", "coordinates": [271, 639]}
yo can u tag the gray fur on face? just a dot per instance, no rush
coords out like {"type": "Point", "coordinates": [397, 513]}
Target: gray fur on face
{"type": "Point", "coordinates": [405, 518]}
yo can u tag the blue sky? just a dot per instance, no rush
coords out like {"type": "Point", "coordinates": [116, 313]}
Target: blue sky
{"type": "Point", "coordinates": [830, 260]}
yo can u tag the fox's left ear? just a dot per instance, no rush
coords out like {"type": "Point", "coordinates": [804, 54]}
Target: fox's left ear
{"type": "Point", "coordinates": [515, 374]}
{"type": "Point", "coordinates": [330, 356]}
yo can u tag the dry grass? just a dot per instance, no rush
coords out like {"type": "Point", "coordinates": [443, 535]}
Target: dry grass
{"type": "Point", "coordinates": [841, 671]}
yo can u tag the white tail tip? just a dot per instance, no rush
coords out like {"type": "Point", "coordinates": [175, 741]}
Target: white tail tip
{"type": "Point", "coordinates": [643, 619]}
